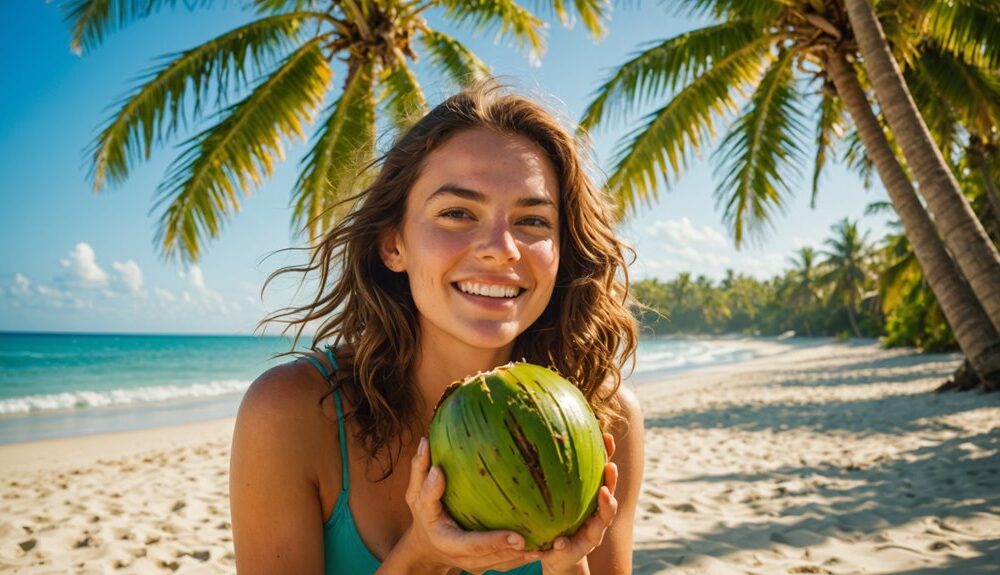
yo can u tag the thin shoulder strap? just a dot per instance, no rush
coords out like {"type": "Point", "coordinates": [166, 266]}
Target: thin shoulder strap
{"type": "Point", "coordinates": [328, 376]}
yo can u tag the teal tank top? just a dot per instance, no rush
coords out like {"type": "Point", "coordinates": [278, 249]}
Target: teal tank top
{"type": "Point", "coordinates": [343, 550]}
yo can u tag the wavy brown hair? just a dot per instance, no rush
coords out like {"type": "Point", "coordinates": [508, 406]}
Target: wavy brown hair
{"type": "Point", "coordinates": [586, 332]}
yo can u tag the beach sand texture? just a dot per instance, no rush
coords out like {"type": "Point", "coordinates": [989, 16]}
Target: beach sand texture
{"type": "Point", "coordinates": [817, 457]}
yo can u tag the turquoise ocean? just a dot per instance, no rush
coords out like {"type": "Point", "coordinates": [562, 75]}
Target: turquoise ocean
{"type": "Point", "coordinates": [62, 385]}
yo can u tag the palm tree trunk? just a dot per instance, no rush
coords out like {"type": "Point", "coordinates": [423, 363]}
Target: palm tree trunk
{"type": "Point", "coordinates": [853, 320]}
{"type": "Point", "coordinates": [973, 331]}
{"type": "Point", "coordinates": [978, 159]}
{"type": "Point", "coordinates": [963, 234]}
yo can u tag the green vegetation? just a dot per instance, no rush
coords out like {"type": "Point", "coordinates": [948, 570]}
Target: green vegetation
{"type": "Point", "coordinates": [751, 81]}
{"type": "Point", "coordinates": [265, 83]}
{"type": "Point", "coordinates": [851, 288]}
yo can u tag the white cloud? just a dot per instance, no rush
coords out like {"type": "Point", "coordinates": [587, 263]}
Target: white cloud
{"type": "Point", "coordinates": [683, 232]}
{"type": "Point", "coordinates": [22, 284]}
{"type": "Point", "coordinates": [196, 278]}
{"type": "Point", "coordinates": [82, 269]}
{"type": "Point", "coordinates": [130, 275]}
{"type": "Point", "coordinates": [164, 295]}
{"type": "Point", "coordinates": [59, 299]}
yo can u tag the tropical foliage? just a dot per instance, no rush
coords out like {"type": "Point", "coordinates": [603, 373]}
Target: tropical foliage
{"type": "Point", "coordinates": [879, 284]}
{"type": "Point", "coordinates": [269, 82]}
{"type": "Point", "coordinates": [753, 87]}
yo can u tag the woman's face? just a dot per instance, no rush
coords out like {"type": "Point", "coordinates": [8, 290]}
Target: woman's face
{"type": "Point", "coordinates": [480, 240]}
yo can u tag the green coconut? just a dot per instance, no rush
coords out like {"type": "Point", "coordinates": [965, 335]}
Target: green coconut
{"type": "Point", "coordinates": [521, 450]}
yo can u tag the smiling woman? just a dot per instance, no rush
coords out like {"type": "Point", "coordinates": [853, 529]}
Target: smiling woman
{"type": "Point", "coordinates": [479, 240]}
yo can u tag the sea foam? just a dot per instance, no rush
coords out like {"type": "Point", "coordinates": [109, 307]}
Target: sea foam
{"type": "Point", "coordinates": [119, 397]}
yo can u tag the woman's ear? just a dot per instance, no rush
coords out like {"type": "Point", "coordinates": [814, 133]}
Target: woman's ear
{"type": "Point", "coordinates": [390, 249]}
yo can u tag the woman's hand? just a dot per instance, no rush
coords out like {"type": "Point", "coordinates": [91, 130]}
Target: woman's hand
{"type": "Point", "coordinates": [569, 554]}
{"type": "Point", "coordinates": [438, 543]}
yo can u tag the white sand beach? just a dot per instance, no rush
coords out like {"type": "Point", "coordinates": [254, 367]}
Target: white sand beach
{"type": "Point", "coordinates": [816, 457]}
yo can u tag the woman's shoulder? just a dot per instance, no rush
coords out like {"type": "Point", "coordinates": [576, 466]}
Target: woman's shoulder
{"type": "Point", "coordinates": [286, 398]}
{"type": "Point", "coordinates": [625, 400]}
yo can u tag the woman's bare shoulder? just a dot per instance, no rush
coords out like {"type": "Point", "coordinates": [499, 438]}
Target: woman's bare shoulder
{"type": "Point", "coordinates": [284, 398]}
{"type": "Point", "coordinates": [626, 403]}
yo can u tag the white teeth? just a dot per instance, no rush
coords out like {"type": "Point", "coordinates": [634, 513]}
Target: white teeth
{"type": "Point", "coordinates": [488, 290]}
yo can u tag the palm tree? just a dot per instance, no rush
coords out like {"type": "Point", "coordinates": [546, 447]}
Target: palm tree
{"type": "Point", "coordinates": [963, 234]}
{"type": "Point", "coordinates": [757, 49]}
{"type": "Point", "coordinates": [847, 268]}
{"type": "Point", "coordinates": [973, 331]}
{"type": "Point", "coordinates": [266, 81]}
{"type": "Point", "coordinates": [960, 101]}
{"type": "Point", "coordinates": [801, 291]}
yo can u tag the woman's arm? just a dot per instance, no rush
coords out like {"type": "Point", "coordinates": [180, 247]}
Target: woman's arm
{"type": "Point", "coordinates": [614, 555]}
{"type": "Point", "coordinates": [273, 490]}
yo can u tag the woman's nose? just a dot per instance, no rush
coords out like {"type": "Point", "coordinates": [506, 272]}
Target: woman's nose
{"type": "Point", "coordinates": [498, 244]}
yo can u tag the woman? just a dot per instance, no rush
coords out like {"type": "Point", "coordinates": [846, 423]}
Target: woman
{"type": "Point", "coordinates": [481, 239]}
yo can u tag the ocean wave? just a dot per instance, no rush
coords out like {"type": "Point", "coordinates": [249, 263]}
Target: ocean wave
{"type": "Point", "coordinates": [680, 357]}
{"type": "Point", "coordinates": [119, 397]}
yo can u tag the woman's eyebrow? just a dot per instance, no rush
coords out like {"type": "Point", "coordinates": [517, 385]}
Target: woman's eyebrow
{"type": "Point", "coordinates": [479, 197]}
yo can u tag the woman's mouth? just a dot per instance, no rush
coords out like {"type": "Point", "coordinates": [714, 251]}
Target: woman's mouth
{"type": "Point", "coordinates": [489, 291]}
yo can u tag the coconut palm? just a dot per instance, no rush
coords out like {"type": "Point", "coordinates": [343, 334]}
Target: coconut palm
{"type": "Point", "coordinates": [960, 101]}
{"type": "Point", "coordinates": [759, 48]}
{"type": "Point", "coordinates": [975, 334]}
{"type": "Point", "coordinates": [965, 237]}
{"type": "Point", "coordinates": [802, 291]}
{"type": "Point", "coordinates": [266, 81]}
{"type": "Point", "coordinates": [846, 263]}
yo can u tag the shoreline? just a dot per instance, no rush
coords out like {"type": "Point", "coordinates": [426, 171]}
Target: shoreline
{"type": "Point", "coordinates": [83, 422]}
{"type": "Point", "coordinates": [824, 458]}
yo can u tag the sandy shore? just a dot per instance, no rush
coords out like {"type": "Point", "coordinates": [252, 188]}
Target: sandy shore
{"type": "Point", "coordinates": [814, 458]}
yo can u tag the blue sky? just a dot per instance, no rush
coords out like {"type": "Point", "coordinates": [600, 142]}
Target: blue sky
{"type": "Point", "coordinates": [73, 260]}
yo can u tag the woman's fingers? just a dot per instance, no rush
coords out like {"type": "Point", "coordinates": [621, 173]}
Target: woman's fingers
{"type": "Point", "coordinates": [418, 473]}
{"type": "Point", "coordinates": [609, 444]}
{"type": "Point", "coordinates": [474, 551]}
{"type": "Point", "coordinates": [611, 476]}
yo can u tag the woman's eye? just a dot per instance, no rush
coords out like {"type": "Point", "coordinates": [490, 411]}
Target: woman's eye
{"type": "Point", "coordinates": [536, 221]}
{"type": "Point", "coordinates": [455, 214]}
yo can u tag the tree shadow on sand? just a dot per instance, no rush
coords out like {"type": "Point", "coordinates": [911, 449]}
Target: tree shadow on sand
{"type": "Point", "coordinates": [934, 487]}
{"type": "Point", "coordinates": [939, 489]}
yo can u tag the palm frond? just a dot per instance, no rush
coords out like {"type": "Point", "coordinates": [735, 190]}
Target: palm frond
{"type": "Point", "coordinates": [663, 67]}
{"type": "Point", "coordinates": [857, 159]}
{"type": "Point", "coordinates": [829, 131]}
{"type": "Point", "coordinates": [902, 272]}
{"type": "Point", "coordinates": [664, 143]}
{"type": "Point", "coordinates": [761, 153]}
{"type": "Point", "coordinates": [967, 28]}
{"type": "Point", "coordinates": [275, 6]}
{"type": "Point", "coordinates": [153, 112]}
{"type": "Point", "coordinates": [343, 144]}
{"type": "Point", "coordinates": [230, 158]}
{"type": "Point", "coordinates": [508, 18]}
{"type": "Point", "coordinates": [402, 97]}
{"type": "Point", "coordinates": [759, 11]}
{"type": "Point", "coordinates": [92, 20]}
{"type": "Point", "coordinates": [936, 110]}
{"type": "Point", "coordinates": [452, 59]}
{"type": "Point", "coordinates": [881, 207]}
{"type": "Point", "coordinates": [972, 92]}
{"type": "Point", "coordinates": [594, 14]}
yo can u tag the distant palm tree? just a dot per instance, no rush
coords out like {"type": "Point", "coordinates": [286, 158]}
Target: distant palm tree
{"type": "Point", "coordinates": [846, 263]}
{"type": "Point", "coordinates": [266, 81]}
{"type": "Point", "coordinates": [965, 237]}
{"type": "Point", "coordinates": [802, 290]}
